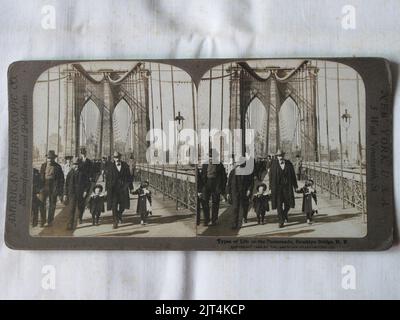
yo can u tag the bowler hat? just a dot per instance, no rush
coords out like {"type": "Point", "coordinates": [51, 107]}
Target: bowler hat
{"type": "Point", "coordinates": [116, 154]}
{"type": "Point", "coordinates": [51, 154]}
{"type": "Point", "coordinates": [280, 153]}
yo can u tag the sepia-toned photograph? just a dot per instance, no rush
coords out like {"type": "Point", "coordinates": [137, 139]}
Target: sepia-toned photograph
{"type": "Point", "coordinates": [286, 154]}
{"type": "Point", "coordinates": [258, 148]}
{"type": "Point", "coordinates": [97, 168]}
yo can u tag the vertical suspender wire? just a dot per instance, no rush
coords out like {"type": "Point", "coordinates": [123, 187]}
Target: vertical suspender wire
{"type": "Point", "coordinates": [135, 117]}
{"type": "Point", "coordinates": [297, 109]}
{"type": "Point", "coordinates": [313, 115]}
{"type": "Point", "coordinates": [133, 108]}
{"type": "Point", "coordinates": [237, 108]}
{"type": "Point", "coordinates": [195, 156]}
{"type": "Point", "coordinates": [268, 126]}
{"type": "Point", "coordinates": [294, 141]}
{"type": "Point", "coordinates": [48, 111]}
{"type": "Point", "coordinates": [176, 135]}
{"type": "Point", "coordinates": [144, 122]}
{"type": "Point", "coordinates": [173, 116]}
{"type": "Point", "coordinates": [101, 131]}
{"type": "Point", "coordinates": [132, 91]}
{"type": "Point", "coordinates": [298, 117]}
{"type": "Point", "coordinates": [222, 113]}
{"type": "Point", "coordinates": [309, 123]}
{"type": "Point", "coordinates": [300, 94]}
{"type": "Point", "coordinates": [318, 123]}
{"type": "Point", "coordinates": [307, 113]}
{"type": "Point", "coordinates": [312, 118]}
{"type": "Point", "coordinates": [152, 115]}
{"type": "Point", "coordinates": [130, 114]}
{"type": "Point", "coordinates": [142, 136]}
{"type": "Point", "coordinates": [303, 115]}
{"type": "Point", "coordinates": [72, 111]}
{"type": "Point", "coordinates": [66, 113]}
{"type": "Point", "coordinates": [340, 134]}
{"type": "Point", "coordinates": [59, 110]}
{"type": "Point", "coordinates": [230, 112]}
{"type": "Point", "coordinates": [327, 131]}
{"type": "Point", "coordinates": [162, 130]}
{"type": "Point", "coordinates": [209, 113]}
{"type": "Point", "coordinates": [360, 151]}
{"type": "Point", "coordinates": [195, 120]}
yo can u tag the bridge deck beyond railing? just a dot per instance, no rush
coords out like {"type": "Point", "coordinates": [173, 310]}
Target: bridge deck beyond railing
{"type": "Point", "coordinates": [179, 185]}
{"type": "Point", "coordinates": [348, 184]}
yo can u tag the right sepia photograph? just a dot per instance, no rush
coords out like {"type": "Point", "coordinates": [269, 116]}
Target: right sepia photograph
{"type": "Point", "coordinates": [282, 150]}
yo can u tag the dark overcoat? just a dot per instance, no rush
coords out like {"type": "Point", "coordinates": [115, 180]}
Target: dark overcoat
{"type": "Point", "coordinates": [96, 203]}
{"type": "Point", "coordinates": [220, 179]}
{"type": "Point", "coordinates": [275, 173]}
{"type": "Point", "coordinates": [238, 185]}
{"type": "Point", "coordinates": [142, 203]}
{"type": "Point", "coordinates": [308, 196]}
{"type": "Point", "coordinates": [261, 203]}
{"type": "Point", "coordinates": [58, 186]}
{"type": "Point", "coordinates": [118, 184]}
{"type": "Point", "coordinates": [76, 184]}
{"type": "Point", "coordinates": [87, 172]}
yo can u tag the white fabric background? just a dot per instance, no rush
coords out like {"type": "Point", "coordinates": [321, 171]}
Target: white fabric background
{"type": "Point", "coordinates": [192, 29]}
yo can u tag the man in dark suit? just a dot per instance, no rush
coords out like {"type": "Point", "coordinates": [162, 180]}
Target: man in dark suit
{"type": "Point", "coordinates": [212, 184]}
{"type": "Point", "coordinates": [86, 178]}
{"type": "Point", "coordinates": [74, 188]}
{"type": "Point", "coordinates": [52, 177]}
{"type": "Point", "coordinates": [239, 188]}
{"type": "Point", "coordinates": [282, 180]}
{"type": "Point", "coordinates": [118, 184]}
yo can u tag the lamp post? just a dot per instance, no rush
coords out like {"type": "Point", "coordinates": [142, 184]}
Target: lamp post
{"type": "Point", "coordinates": [346, 117]}
{"type": "Point", "coordinates": [179, 119]}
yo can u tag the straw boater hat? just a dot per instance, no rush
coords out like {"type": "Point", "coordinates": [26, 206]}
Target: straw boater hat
{"type": "Point", "coordinates": [51, 154]}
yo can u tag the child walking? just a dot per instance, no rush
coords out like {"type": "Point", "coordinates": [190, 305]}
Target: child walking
{"type": "Point", "coordinates": [144, 202]}
{"type": "Point", "coordinates": [96, 203]}
{"type": "Point", "coordinates": [261, 202]}
{"type": "Point", "coordinates": [309, 206]}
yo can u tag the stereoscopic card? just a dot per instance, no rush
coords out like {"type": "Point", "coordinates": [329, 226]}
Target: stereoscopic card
{"type": "Point", "coordinates": [200, 154]}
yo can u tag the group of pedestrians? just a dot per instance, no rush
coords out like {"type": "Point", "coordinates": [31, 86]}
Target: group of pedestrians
{"type": "Point", "coordinates": [76, 184]}
{"type": "Point", "coordinates": [244, 187]}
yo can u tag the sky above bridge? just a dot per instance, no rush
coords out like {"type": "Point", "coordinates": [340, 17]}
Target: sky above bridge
{"type": "Point", "coordinates": [183, 102]}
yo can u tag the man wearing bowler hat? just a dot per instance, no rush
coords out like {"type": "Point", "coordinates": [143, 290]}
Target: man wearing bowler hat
{"type": "Point", "coordinates": [52, 177]}
{"type": "Point", "coordinates": [239, 188]}
{"type": "Point", "coordinates": [282, 180]}
{"type": "Point", "coordinates": [118, 184]}
{"type": "Point", "coordinates": [86, 172]}
{"type": "Point", "coordinates": [211, 184]}
{"type": "Point", "coordinates": [73, 193]}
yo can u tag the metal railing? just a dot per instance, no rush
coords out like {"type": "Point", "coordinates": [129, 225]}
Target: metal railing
{"type": "Point", "coordinates": [349, 185]}
{"type": "Point", "coordinates": [179, 185]}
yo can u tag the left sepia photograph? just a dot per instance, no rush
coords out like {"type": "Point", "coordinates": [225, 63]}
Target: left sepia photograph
{"type": "Point", "coordinates": [105, 158]}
